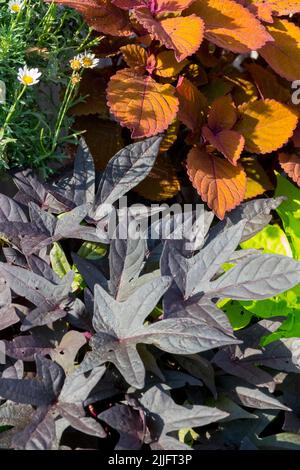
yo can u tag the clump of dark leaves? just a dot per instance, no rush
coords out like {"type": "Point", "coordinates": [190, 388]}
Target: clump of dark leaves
{"type": "Point", "coordinates": [128, 349]}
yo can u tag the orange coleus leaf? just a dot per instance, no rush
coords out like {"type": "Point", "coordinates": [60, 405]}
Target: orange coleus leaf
{"type": "Point", "coordinates": [134, 55]}
{"type": "Point", "coordinates": [262, 10]}
{"type": "Point", "coordinates": [229, 143]}
{"type": "Point", "coordinates": [222, 117]}
{"type": "Point", "coordinates": [283, 54]}
{"type": "Point", "coordinates": [167, 66]}
{"type": "Point", "coordinates": [155, 6]}
{"type": "Point", "coordinates": [265, 9]}
{"type": "Point", "coordinates": [258, 181]}
{"type": "Point", "coordinates": [268, 84]}
{"type": "Point", "coordinates": [182, 34]}
{"type": "Point", "coordinates": [102, 15]}
{"type": "Point", "coordinates": [220, 184]}
{"type": "Point", "coordinates": [290, 163]}
{"type": "Point", "coordinates": [192, 104]}
{"type": "Point", "coordinates": [140, 103]}
{"type": "Point", "coordinates": [266, 125]}
{"type": "Point", "coordinates": [230, 25]}
{"type": "Point", "coordinates": [223, 114]}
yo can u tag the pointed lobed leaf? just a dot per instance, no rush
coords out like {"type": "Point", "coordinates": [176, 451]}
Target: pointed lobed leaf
{"type": "Point", "coordinates": [8, 317]}
{"type": "Point", "coordinates": [260, 277]}
{"type": "Point", "coordinates": [75, 415]}
{"type": "Point", "coordinates": [175, 417]}
{"type": "Point", "coordinates": [129, 424]}
{"type": "Point", "coordinates": [29, 391]}
{"type": "Point", "coordinates": [84, 175]}
{"type": "Point", "coordinates": [201, 268]}
{"type": "Point", "coordinates": [126, 261]}
{"type": "Point", "coordinates": [251, 396]}
{"type": "Point", "coordinates": [120, 329]}
{"type": "Point", "coordinates": [10, 211]}
{"type": "Point", "coordinates": [39, 434]}
{"type": "Point", "coordinates": [257, 213]}
{"type": "Point", "coordinates": [126, 169]}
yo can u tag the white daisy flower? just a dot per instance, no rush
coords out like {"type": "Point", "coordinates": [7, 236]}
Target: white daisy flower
{"type": "Point", "coordinates": [15, 5]}
{"type": "Point", "coordinates": [89, 60]}
{"type": "Point", "coordinates": [76, 63]}
{"type": "Point", "coordinates": [28, 76]}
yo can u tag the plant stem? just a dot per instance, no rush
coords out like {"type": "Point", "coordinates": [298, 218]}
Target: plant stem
{"type": "Point", "coordinates": [13, 108]}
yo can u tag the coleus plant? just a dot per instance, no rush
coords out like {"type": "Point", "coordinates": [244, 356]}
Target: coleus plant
{"type": "Point", "coordinates": [137, 353]}
{"type": "Point", "coordinates": [191, 62]}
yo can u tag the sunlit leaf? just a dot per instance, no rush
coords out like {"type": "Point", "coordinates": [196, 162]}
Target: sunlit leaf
{"type": "Point", "coordinates": [230, 25]}
{"type": "Point", "coordinates": [266, 125]}
{"type": "Point", "coordinates": [140, 103]}
{"type": "Point", "coordinates": [181, 34]}
{"type": "Point", "coordinates": [219, 183]}
{"type": "Point", "coordinates": [283, 54]}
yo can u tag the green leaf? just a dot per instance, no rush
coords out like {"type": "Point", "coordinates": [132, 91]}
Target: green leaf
{"type": "Point", "coordinates": [59, 261]}
{"type": "Point", "coordinates": [61, 266]}
{"type": "Point", "coordinates": [276, 306]}
{"type": "Point", "coordinates": [289, 212]}
{"type": "Point", "coordinates": [187, 436]}
{"type": "Point", "coordinates": [92, 251]}
{"type": "Point", "coordinates": [238, 316]}
{"type": "Point", "coordinates": [271, 239]}
{"type": "Point", "coordinates": [290, 328]}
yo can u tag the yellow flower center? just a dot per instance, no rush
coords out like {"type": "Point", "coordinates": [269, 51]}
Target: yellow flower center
{"type": "Point", "coordinates": [16, 8]}
{"type": "Point", "coordinates": [87, 62]}
{"type": "Point", "coordinates": [75, 64]}
{"type": "Point", "coordinates": [27, 80]}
